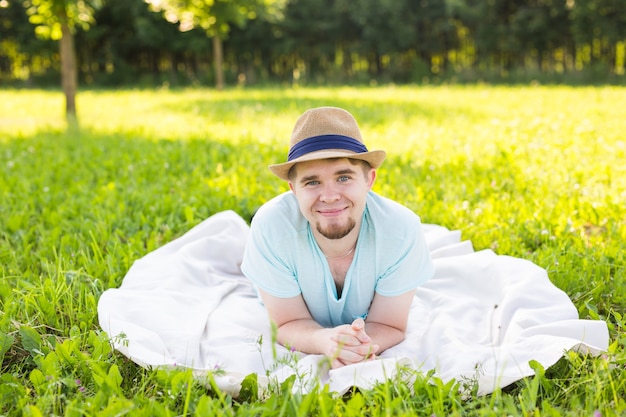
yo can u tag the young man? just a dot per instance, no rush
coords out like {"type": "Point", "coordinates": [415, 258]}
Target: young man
{"type": "Point", "coordinates": [335, 264]}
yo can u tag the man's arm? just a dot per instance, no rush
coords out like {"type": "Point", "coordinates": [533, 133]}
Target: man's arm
{"type": "Point", "coordinates": [387, 319]}
{"type": "Point", "coordinates": [296, 328]}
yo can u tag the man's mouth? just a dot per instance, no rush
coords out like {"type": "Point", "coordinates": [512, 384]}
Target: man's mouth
{"type": "Point", "coordinates": [332, 212]}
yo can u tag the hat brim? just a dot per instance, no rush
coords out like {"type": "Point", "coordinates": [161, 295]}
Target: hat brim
{"type": "Point", "coordinates": [374, 158]}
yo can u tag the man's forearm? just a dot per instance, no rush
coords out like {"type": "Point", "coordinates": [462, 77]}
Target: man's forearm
{"type": "Point", "coordinates": [343, 344]}
{"type": "Point", "coordinates": [301, 335]}
{"type": "Point", "coordinates": [384, 336]}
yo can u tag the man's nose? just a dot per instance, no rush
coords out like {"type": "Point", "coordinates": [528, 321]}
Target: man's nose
{"type": "Point", "coordinates": [330, 192]}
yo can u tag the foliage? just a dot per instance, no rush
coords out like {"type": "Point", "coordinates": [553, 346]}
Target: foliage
{"type": "Point", "coordinates": [213, 16]}
{"type": "Point", "coordinates": [323, 41]}
{"type": "Point", "coordinates": [49, 15]}
{"type": "Point", "coordinates": [533, 172]}
{"type": "Point", "coordinates": [57, 19]}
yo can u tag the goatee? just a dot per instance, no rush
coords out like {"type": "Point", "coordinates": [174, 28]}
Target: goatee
{"type": "Point", "coordinates": [336, 231]}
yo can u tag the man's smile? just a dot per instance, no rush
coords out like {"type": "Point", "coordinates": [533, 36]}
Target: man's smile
{"type": "Point", "coordinates": [332, 212]}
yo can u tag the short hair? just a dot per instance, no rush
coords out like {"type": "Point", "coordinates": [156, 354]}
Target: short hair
{"type": "Point", "coordinates": [291, 175]}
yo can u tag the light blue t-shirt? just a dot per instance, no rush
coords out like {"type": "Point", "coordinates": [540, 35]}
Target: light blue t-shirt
{"type": "Point", "coordinates": [283, 259]}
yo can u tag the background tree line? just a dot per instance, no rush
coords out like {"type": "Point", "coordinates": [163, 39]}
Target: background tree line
{"type": "Point", "coordinates": [132, 42]}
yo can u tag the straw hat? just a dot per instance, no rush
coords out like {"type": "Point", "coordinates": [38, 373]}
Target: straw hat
{"type": "Point", "coordinates": [326, 132]}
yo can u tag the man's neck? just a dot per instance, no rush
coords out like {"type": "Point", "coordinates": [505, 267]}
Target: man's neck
{"type": "Point", "coordinates": [338, 248]}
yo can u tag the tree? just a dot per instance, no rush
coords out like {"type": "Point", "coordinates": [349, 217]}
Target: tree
{"type": "Point", "coordinates": [382, 28]}
{"type": "Point", "coordinates": [57, 19]}
{"type": "Point", "coordinates": [19, 47]}
{"type": "Point", "coordinates": [541, 27]}
{"type": "Point", "coordinates": [599, 25]}
{"type": "Point", "coordinates": [311, 36]}
{"type": "Point", "coordinates": [214, 16]}
{"type": "Point", "coordinates": [132, 44]}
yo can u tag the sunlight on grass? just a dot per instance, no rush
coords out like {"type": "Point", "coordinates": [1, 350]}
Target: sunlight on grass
{"type": "Point", "coordinates": [534, 172]}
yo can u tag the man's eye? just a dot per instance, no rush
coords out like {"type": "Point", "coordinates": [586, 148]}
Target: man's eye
{"type": "Point", "coordinates": [310, 183]}
{"type": "Point", "coordinates": [343, 178]}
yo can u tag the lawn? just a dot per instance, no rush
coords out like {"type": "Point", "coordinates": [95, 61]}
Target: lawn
{"type": "Point", "coordinates": [534, 172]}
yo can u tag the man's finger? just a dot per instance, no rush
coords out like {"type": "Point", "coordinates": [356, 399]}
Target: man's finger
{"type": "Point", "coordinates": [358, 325]}
{"type": "Point", "coordinates": [347, 340]}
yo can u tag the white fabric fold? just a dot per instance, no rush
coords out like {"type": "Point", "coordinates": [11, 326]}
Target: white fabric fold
{"type": "Point", "coordinates": [482, 318]}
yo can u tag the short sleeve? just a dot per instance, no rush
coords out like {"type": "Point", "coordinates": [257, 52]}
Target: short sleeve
{"type": "Point", "coordinates": [412, 264]}
{"type": "Point", "coordinates": [267, 260]}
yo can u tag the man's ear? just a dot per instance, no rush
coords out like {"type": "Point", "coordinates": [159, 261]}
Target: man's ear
{"type": "Point", "coordinates": [371, 178]}
{"type": "Point", "coordinates": [291, 187]}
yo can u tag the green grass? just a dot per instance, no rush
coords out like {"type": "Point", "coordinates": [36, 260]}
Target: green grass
{"type": "Point", "coordinates": [536, 172]}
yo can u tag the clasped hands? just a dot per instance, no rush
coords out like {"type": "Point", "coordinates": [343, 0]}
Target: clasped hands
{"type": "Point", "coordinates": [349, 343]}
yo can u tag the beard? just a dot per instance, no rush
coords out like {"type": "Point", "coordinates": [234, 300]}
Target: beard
{"type": "Point", "coordinates": [336, 231]}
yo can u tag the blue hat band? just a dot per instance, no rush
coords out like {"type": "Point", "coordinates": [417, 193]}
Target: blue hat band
{"type": "Point", "coordinates": [320, 143]}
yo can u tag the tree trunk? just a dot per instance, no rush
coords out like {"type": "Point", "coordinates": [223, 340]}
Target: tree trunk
{"type": "Point", "coordinates": [218, 59]}
{"type": "Point", "coordinates": [68, 73]}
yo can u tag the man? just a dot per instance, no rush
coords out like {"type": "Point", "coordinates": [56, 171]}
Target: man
{"type": "Point", "coordinates": [335, 264]}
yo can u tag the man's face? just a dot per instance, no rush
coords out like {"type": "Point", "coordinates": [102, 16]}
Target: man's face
{"type": "Point", "coordinates": [331, 194]}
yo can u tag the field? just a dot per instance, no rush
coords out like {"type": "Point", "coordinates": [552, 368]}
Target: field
{"type": "Point", "coordinates": [534, 172]}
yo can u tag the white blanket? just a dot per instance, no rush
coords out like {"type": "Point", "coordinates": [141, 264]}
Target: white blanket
{"type": "Point", "coordinates": [482, 317]}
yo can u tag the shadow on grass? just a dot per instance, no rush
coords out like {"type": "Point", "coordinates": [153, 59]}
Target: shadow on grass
{"type": "Point", "coordinates": [369, 111]}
